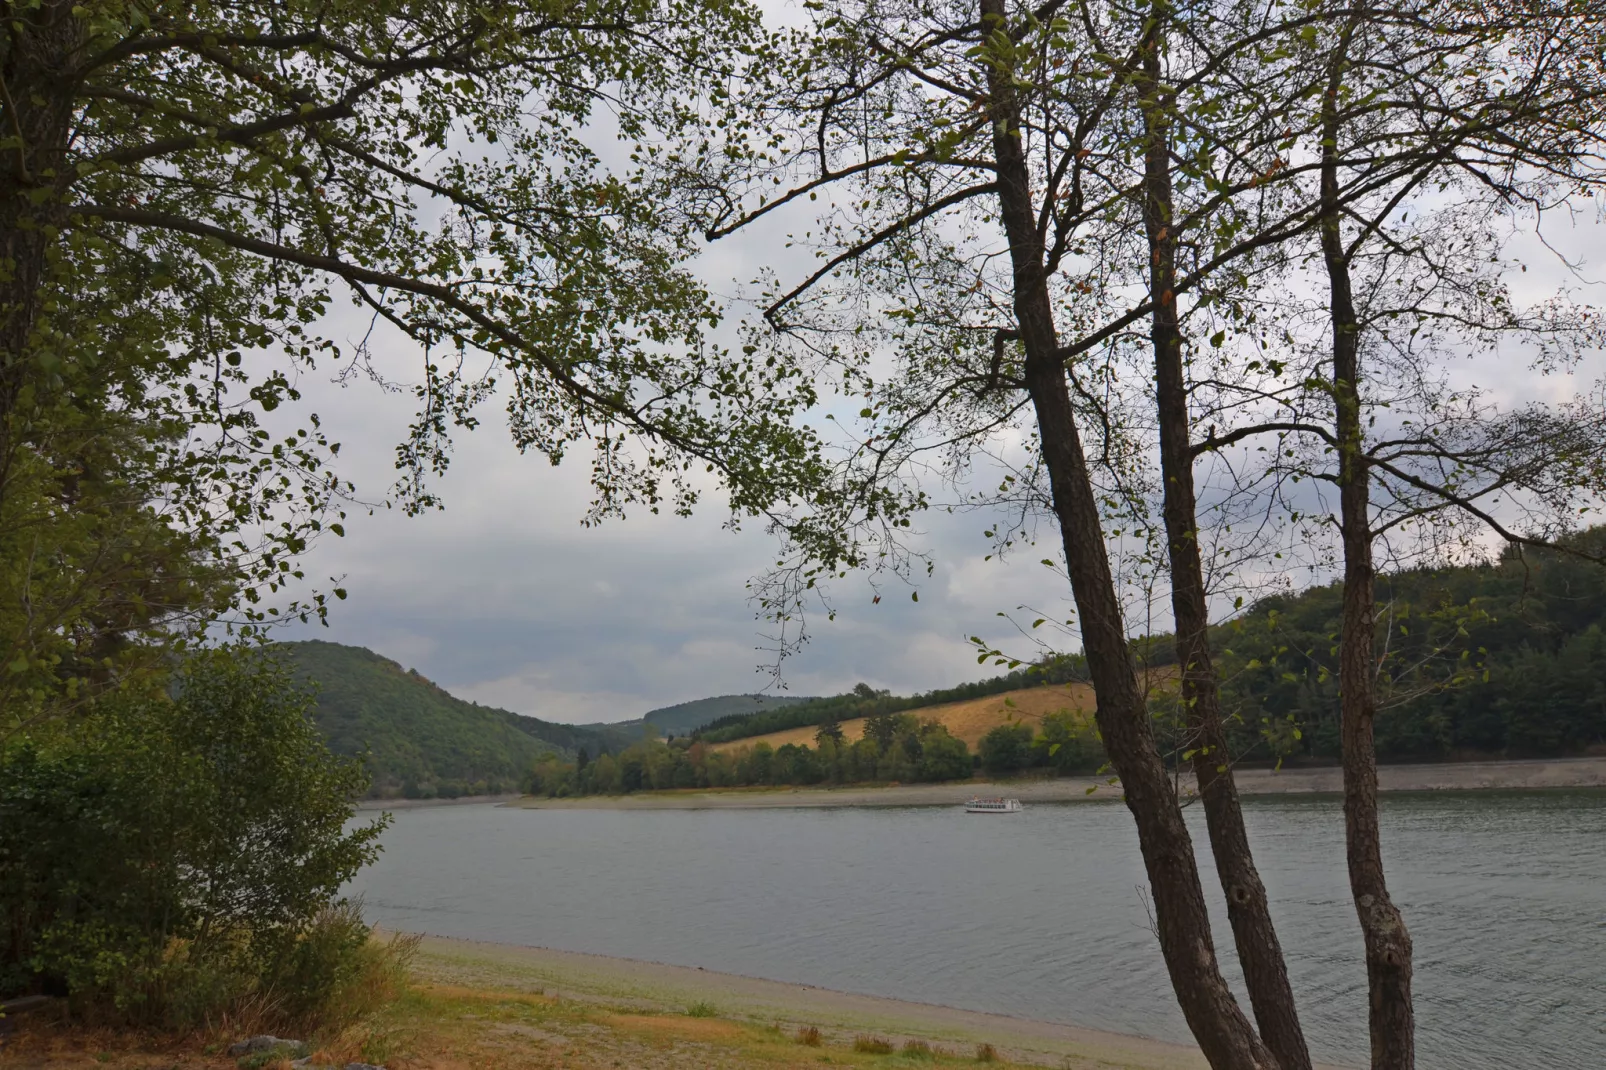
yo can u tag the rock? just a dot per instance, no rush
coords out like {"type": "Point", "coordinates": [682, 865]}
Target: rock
{"type": "Point", "coordinates": [308, 1064]}
{"type": "Point", "coordinates": [252, 1045]}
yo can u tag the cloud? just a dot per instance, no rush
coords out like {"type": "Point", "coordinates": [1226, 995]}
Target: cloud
{"type": "Point", "coordinates": [505, 599]}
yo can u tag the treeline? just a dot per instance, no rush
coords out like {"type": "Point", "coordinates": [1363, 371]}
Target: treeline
{"type": "Point", "coordinates": [864, 701]}
{"type": "Point", "coordinates": [897, 747]}
{"type": "Point", "coordinates": [1501, 659]}
{"type": "Point", "coordinates": [1504, 659]}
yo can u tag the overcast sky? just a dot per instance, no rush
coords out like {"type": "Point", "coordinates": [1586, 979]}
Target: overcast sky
{"type": "Point", "coordinates": [505, 599]}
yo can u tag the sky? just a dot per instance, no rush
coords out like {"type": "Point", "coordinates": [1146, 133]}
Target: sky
{"type": "Point", "coordinates": [504, 598]}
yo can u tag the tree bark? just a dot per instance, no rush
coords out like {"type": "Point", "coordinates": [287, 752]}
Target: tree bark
{"type": "Point", "coordinates": [1223, 1032]}
{"type": "Point", "coordinates": [1260, 954]}
{"type": "Point", "coordinates": [1390, 1014]}
{"type": "Point", "coordinates": [36, 114]}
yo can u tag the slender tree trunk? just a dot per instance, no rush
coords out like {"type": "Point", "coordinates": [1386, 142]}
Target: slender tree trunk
{"type": "Point", "coordinates": [1223, 1032]}
{"type": "Point", "coordinates": [1260, 954]}
{"type": "Point", "coordinates": [1391, 1017]}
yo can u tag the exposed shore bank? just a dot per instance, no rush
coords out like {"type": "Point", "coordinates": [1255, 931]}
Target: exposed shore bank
{"type": "Point", "coordinates": [1448, 776]}
{"type": "Point", "coordinates": [655, 988]}
{"type": "Point", "coordinates": [416, 804]}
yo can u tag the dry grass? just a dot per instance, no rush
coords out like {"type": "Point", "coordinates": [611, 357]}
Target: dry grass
{"type": "Point", "coordinates": [454, 1027]}
{"type": "Point", "coordinates": [968, 720]}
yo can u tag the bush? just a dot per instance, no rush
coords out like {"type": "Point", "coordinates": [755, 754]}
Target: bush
{"type": "Point", "coordinates": [986, 1053]}
{"type": "Point", "coordinates": [701, 1009]}
{"type": "Point", "coordinates": [917, 1049]}
{"type": "Point", "coordinates": [167, 859]}
{"type": "Point", "coordinates": [872, 1045]}
{"type": "Point", "coordinates": [1006, 749]}
{"type": "Point", "coordinates": [809, 1036]}
{"type": "Point", "coordinates": [943, 756]}
{"type": "Point", "coordinates": [1070, 743]}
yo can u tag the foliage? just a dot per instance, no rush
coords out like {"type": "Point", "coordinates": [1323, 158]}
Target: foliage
{"type": "Point", "coordinates": [419, 741]}
{"type": "Point", "coordinates": [687, 717]}
{"type": "Point", "coordinates": [1069, 744]}
{"type": "Point", "coordinates": [919, 752]}
{"type": "Point", "coordinates": [1006, 749]}
{"type": "Point", "coordinates": [1495, 659]}
{"type": "Point", "coordinates": [169, 856]}
{"type": "Point", "coordinates": [1057, 669]}
{"type": "Point", "coordinates": [1487, 659]}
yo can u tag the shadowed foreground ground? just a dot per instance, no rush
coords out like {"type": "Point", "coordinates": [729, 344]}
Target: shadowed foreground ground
{"type": "Point", "coordinates": [491, 1006]}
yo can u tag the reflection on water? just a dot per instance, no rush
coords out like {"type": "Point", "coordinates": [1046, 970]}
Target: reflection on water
{"type": "Point", "coordinates": [1042, 914]}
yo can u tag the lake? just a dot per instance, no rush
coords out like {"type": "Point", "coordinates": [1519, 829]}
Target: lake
{"type": "Point", "coordinates": [1043, 914]}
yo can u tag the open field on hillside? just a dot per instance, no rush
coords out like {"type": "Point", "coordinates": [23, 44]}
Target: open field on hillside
{"type": "Point", "coordinates": [968, 720]}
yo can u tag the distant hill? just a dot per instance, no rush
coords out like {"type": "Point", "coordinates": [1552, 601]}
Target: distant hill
{"type": "Point", "coordinates": [1506, 659]}
{"type": "Point", "coordinates": [687, 717]}
{"type": "Point", "coordinates": [965, 719]}
{"type": "Point", "coordinates": [422, 741]}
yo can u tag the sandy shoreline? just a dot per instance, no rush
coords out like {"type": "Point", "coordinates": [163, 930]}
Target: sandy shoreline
{"type": "Point", "coordinates": [658, 987]}
{"type": "Point", "coordinates": [1459, 776]}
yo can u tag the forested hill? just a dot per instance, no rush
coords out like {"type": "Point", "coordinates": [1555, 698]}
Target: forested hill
{"type": "Point", "coordinates": [689, 716]}
{"type": "Point", "coordinates": [422, 741]}
{"type": "Point", "coordinates": [1507, 658]}
{"type": "Point", "coordinates": [1502, 659]}
{"type": "Point", "coordinates": [864, 701]}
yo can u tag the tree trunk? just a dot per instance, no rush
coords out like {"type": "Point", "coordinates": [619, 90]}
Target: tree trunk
{"type": "Point", "coordinates": [1390, 1014]}
{"type": "Point", "coordinates": [1224, 1034]}
{"type": "Point", "coordinates": [36, 114]}
{"type": "Point", "coordinates": [1260, 954]}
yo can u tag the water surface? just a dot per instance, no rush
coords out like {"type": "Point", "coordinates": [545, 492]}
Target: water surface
{"type": "Point", "coordinates": [1044, 914]}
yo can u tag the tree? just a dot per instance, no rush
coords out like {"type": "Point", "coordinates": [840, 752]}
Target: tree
{"type": "Point", "coordinates": [882, 728]}
{"type": "Point", "coordinates": [984, 150]}
{"type": "Point", "coordinates": [830, 730]}
{"type": "Point", "coordinates": [1069, 743]}
{"type": "Point", "coordinates": [1006, 749]}
{"type": "Point", "coordinates": [186, 191]}
{"type": "Point", "coordinates": [942, 756]}
{"type": "Point", "coordinates": [999, 181]}
{"type": "Point", "coordinates": [215, 822]}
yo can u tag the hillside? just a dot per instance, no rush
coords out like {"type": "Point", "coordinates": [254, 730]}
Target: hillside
{"type": "Point", "coordinates": [687, 717]}
{"type": "Point", "coordinates": [968, 720]}
{"type": "Point", "coordinates": [1505, 659]}
{"type": "Point", "coordinates": [420, 740]}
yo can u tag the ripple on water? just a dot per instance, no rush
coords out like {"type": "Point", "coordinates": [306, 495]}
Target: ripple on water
{"type": "Point", "coordinates": [1044, 914]}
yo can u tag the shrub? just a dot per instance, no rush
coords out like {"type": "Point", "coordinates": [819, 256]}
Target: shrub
{"type": "Point", "coordinates": [337, 973]}
{"type": "Point", "coordinates": [918, 1049]}
{"type": "Point", "coordinates": [1006, 749]}
{"type": "Point", "coordinates": [166, 860]}
{"type": "Point", "coordinates": [701, 1009]}
{"type": "Point", "coordinates": [1070, 743]}
{"type": "Point", "coordinates": [943, 756]}
{"type": "Point", "coordinates": [986, 1053]}
{"type": "Point", "coordinates": [872, 1045]}
{"type": "Point", "coordinates": [809, 1036]}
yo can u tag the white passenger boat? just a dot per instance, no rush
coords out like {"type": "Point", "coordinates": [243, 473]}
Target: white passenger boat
{"type": "Point", "coordinates": [979, 805]}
